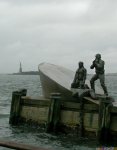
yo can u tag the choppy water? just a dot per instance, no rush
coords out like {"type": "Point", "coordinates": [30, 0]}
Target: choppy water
{"type": "Point", "coordinates": [32, 135]}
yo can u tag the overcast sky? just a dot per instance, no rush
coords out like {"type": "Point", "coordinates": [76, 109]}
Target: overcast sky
{"type": "Point", "coordinates": [60, 32]}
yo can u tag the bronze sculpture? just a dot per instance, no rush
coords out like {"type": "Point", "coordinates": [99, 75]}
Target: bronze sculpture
{"type": "Point", "coordinates": [98, 64]}
{"type": "Point", "coordinates": [80, 77]}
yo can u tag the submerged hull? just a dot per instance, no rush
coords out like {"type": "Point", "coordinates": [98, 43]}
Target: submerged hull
{"type": "Point", "coordinates": [57, 79]}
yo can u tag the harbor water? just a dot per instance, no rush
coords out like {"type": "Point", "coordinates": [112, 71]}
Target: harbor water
{"type": "Point", "coordinates": [31, 134]}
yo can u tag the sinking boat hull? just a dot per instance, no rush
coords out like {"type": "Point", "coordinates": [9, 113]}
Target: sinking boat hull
{"type": "Point", "coordinates": [56, 79]}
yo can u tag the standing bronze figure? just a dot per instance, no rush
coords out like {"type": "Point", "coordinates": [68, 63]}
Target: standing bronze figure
{"type": "Point", "coordinates": [80, 77]}
{"type": "Point", "coordinates": [98, 64]}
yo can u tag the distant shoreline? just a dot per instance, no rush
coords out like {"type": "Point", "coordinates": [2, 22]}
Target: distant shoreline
{"type": "Point", "coordinates": [106, 74]}
{"type": "Point", "coordinates": [37, 73]}
{"type": "Point", "coordinates": [27, 73]}
{"type": "Point", "coordinates": [111, 74]}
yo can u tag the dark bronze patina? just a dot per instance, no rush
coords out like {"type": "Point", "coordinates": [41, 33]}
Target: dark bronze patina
{"type": "Point", "coordinates": [80, 77]}
{"type": "Point", "coordinates": [98, 64]}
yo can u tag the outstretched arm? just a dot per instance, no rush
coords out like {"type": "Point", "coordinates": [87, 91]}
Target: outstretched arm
{"type": "Point", "coordinates": [93, 65]}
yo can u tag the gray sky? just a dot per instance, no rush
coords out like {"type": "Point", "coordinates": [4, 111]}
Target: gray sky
{"type": "Point", "coordinates": [60, 32]}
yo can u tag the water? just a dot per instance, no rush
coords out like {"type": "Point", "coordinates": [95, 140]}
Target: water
{"type": "Point", "coordinates": [32, 135]}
